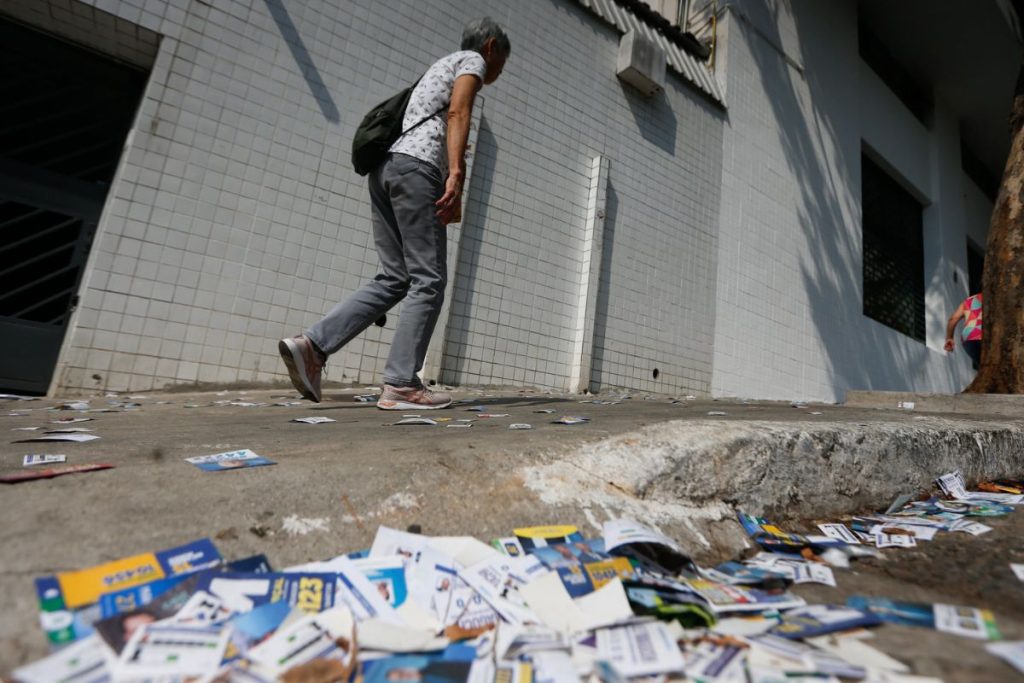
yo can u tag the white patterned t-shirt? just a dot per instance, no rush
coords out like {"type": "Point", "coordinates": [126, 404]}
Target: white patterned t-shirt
{"type": "Point", "coordinates": [429, 141]}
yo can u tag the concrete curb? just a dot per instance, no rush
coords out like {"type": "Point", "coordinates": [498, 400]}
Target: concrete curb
{"type": "Point", "coordinates": [691, 476]}
{"type": "Point", "coordinates": [1008, 405]}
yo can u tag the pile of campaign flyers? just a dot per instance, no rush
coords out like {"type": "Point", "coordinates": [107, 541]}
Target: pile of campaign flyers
{"type": "Point", "coordinates": [543, 604]}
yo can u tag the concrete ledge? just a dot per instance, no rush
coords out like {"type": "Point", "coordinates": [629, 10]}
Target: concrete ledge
{"type": "Point", "coordinates": [1010, 405]}
{"type": "Point", "coordinates": [683, 474]}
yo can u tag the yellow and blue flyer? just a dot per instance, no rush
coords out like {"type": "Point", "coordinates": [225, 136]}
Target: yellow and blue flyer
{"type": "Point", "coordinates": [68, 601]}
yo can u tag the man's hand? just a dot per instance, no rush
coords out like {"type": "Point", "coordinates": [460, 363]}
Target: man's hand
{"type": "Point", "coordinates": [449, 206]}
{"type": "Point", "coordinates": [949, 345]}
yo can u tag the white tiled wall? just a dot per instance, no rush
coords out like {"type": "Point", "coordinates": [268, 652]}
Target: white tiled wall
{"type": "Point", "coordinates": [788, 307]}
{"type": "Point", "coordinates": [235, 218]}
{"type": "Point", "coordinates": [513, 312]}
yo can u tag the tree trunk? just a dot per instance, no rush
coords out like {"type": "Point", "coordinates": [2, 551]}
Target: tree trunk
{"type": "Point", "coordinates": [1002, 341]}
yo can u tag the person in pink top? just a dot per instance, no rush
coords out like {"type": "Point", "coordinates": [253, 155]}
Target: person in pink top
{"type": "Point", "coordinates": [970, 336]}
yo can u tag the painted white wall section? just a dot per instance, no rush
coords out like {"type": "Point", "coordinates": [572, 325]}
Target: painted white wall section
{"type": "Point", "coordinates": [789, 298]}
{"type": "Point", "coordinates": [901, 142]}
{"type": "Point", "coordinates": [977, 211]}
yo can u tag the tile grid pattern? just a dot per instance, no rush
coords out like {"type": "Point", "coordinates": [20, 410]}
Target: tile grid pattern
{"type": "Point", "coordinates": [236, 218]}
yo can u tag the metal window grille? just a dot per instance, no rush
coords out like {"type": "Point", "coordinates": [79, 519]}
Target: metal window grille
{"type": "Point", "coordinates": [893, 252]}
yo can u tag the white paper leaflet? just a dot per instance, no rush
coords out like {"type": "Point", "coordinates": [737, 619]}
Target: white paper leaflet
{"type": "Point", "coordinates": [639, 649]}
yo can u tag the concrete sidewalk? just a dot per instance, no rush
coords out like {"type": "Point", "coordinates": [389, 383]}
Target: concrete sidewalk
{"type": "Point", "coordinates": [668, 463]}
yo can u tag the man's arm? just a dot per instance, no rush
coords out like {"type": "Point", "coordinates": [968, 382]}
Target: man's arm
{"type": "Point", "coordinates": [460, 111]}
{"type": "Point", "coordinates": [951, 327]}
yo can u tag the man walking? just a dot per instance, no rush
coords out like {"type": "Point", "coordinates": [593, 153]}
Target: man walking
{"type": "Point", "coordinates": [414, 194]}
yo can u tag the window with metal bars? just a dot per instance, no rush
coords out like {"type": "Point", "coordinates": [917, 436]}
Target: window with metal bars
{"type": "Point", "coordinates": [893, 242]}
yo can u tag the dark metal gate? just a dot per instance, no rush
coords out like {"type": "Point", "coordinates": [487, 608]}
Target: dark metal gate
{"type": "Point", "coordinates": [64, 115]}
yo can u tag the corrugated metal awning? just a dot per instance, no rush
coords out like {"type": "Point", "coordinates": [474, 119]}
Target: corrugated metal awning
{"type": "Point", "coordinates": [677, 58]}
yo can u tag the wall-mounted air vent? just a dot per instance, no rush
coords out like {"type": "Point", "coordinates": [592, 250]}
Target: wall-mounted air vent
{"type": "Point", "coordinates": [641, 63]}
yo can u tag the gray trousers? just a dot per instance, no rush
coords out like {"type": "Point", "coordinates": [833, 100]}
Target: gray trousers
{"type": "Point", "coordinates": [412, 246]}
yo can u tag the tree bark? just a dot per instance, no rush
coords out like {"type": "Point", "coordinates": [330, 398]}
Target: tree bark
{"type": "Point", "coordinates": [1002, 343]}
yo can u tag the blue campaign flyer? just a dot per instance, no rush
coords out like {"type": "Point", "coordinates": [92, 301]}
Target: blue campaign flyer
{"type": "Point", "coordinates": [231, 460]}
{"type": "Point", "coordinates": [895, 612]}
{"type": "Point", "coordinates": [243, 592]}
{"type": "Point", "coordinates": [817, 620]}
{"type": "Point", "coordinates": [119, 602]}
{"type": "Point", "coordinates": [69, 601]}
{"type": "Point", "coordinates": [252, 628]}
{"type": "Point", "coordinates": [451, 665]}
{"type": "Point", "coordinates": [387, 576]}
{"type": "Point", "coordinates": [129, 599]}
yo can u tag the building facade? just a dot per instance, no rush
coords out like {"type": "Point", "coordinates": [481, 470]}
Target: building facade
{"type": "Point", "coordinates": [708, 239]}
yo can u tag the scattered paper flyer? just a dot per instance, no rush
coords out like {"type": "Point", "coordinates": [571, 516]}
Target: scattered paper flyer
{"type": "Point", "coordinates": [42, 459]}
{"type": "Point", "coordinates": [970, 527]}
{"type": "Point", "coordinates": [81, 661]}
{"type": "Point", "coordinates": [994, 497]}
{"type": "Point", "coordinates": [76, 437]}
{"type": "Point", "coordinates": [67, 600]}
{"type": "Point", "coordinates": [851, 647]}
{"type": "Point", "coordinates": [229, 461]}
{"type": "Point", "coordinates": [619, 532]}
{"type": "Point", "coordinates": [840, 532]}
{"type": "Point", "coordinates": [167, 649]}
{"type": "Point", "coordinates": [51, 472]}
{"type": "Point", "coordinates": [571, 420]}
{"type": "Point", "coordinates": [313, 420]}
{"type": "Point", "coordinates": [962, 621]}
{"type": "Point", "coordinates": [1018, 570]}
{"type": "Point", "coordinates": [813, 572]}
{"type": "Point", "coordinates": [519, 425]}
{"type": "Point", "coordinates": [817, 620]}
{"type": "Point", "coordinates": [953, 485]}
{"type": "Point", "coordinates": [966, 621]}
{"type": "Point", "coordinates": [883, 540]}
{"type": "Point", "coordinates": [1012, 652]}
{"type": "Point", "coordinates": [70, 420]}
{"type": "Point", "coordinates": [415, 421]}
{"type": "Point", "coordinates": [645, 649]}
{"type": "Point", "coordinates": [717, 662]}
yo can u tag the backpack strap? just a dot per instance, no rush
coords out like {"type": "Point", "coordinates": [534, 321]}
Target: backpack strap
{"type": "Point", "coordinates": [421, 121]}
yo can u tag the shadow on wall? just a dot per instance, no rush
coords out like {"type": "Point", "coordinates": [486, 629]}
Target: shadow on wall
{"type": "Point", "coordinates": [604, 287]}
{"type": "Point", "coordinates": [302, 57]}
{"type": "Point", "coordinates": [654, 118]}
{"type": "Point", "coordinates": [860, 354]}
{"type": "Point", "coordinates": [467, 261]}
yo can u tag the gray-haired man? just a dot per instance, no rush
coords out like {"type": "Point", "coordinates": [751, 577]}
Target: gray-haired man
{"type": "Point", "coordinates": [414, 194]}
